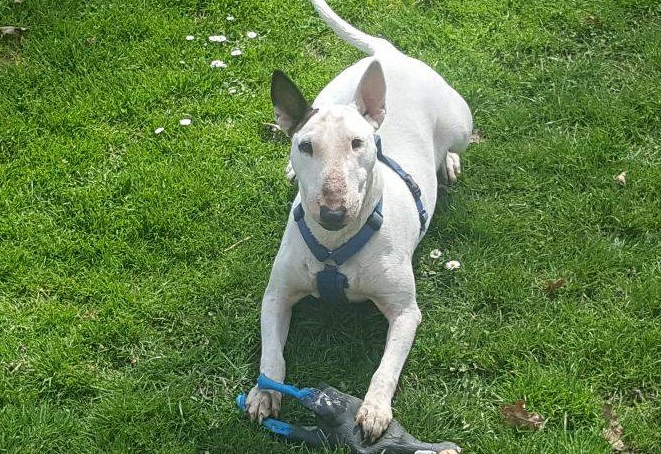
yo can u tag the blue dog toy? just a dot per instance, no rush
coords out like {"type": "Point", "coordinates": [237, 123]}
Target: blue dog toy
{"type": "Point", "coordinates": [335, 415]}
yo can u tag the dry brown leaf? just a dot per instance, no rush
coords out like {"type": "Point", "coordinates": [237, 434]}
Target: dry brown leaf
{"type": "Point", "coordinates": [272, 133]}
{"type": "Point", "coordinates": [10, 30]}
{"type": "Point", "coordinates": [552, 286]}
{"type": "Point", "coordinates": [477, 137]}
{"type": "Point", "coordinates": [621, 179]}
{"type": "Point", "coordinates": [593, 20]}
{"type": "Point", "coordinates": [613, 433]}
{"type": "Point", "coordinates": [516, 415]}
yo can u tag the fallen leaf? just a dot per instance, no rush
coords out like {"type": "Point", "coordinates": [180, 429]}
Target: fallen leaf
{"type": "Point", "coordinates": [516, 415]}
{"type": "Point", "coordinates": [613, 433]}
{"type": "Point", "coordinates": [477, 137]}
{"type": "Point", "coordinates": [551, 287]}
{"type": "Point", "coordinates": [12, 31]}
{"type": "Point", "coordinates": [272, 132]}
{"type": "Point", "coordinates": [621, 179]}
{"type": "Point", "coordinates": [593, 20]}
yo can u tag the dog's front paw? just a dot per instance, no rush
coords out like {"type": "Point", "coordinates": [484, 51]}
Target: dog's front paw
{"type": "Point", "coordinates": [262, 404]}
{"type": "Point", "coordinates": [374, 416]}
{"type": "Point", "coordinates": [453, 166]}
{"type": "Point", "coordinates": [290, 173]}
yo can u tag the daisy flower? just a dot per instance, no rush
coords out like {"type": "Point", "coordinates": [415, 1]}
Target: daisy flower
{"type": "Point", "coordinates": [452, 265]}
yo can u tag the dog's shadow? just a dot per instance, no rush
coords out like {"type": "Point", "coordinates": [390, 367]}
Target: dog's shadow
{"type": "Point", "coordinates": [338, 344]}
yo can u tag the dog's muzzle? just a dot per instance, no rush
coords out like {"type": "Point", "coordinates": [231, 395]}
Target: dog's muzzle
{"type": "Point", "coordinates": [332, 219]}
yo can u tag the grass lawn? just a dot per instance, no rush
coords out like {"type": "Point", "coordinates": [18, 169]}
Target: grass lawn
{"type": "Point", "coordinates": [132, 263]}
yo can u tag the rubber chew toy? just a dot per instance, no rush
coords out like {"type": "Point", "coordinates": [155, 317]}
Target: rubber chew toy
{"type": "Point", "coordinates": [335, 414]}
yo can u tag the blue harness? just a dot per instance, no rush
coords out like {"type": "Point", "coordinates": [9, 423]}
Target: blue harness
{"type": "Point", "coordinates": [331, 284]}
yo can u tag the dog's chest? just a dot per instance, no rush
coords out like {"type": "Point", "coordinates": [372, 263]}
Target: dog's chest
{"type": "Point", "coordinates": [357, 286]}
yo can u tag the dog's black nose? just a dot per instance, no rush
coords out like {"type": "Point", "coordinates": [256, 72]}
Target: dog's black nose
{"type": "Point", "coordinates": [332, 219]}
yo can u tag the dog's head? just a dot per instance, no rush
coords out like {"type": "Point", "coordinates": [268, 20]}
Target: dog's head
{"type": "Point", "coordinates": [333, 151]}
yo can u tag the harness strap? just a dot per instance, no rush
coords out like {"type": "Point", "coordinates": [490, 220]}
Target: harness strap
{"type": "Point", "coordinates": [330, 282]}
{"type": "Point", "coordinates": [352, 246]}
{"type": "Point", "coordinates": [408, 179]}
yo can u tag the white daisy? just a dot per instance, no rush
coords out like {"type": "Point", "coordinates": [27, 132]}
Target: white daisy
{"type": "Point", "coordinates": [218, 64]}
{"type": "Point", "coordinates": [236, 52]}
{"type": "Point", "coordinates": [436, 253]}
{"type": "Point", "coordinates": [251, 35]}
{"type": "Point", "coordinates": [452, 265]}
{"type": "Point", "coordinates": [217, 38]}
{"type": "Point", "coordinates": [185, 121]}
{"type": "Point", "coordinates": [230, 17]}
{"type": "Point", "coordinates": [190, 38]}
{"type": "Point", "coordinates": [159, 130]}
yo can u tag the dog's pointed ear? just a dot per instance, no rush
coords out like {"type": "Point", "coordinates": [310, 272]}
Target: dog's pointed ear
{"type": "Point", "coordinates": [289, 104]}
{"type": "Point", "coordinates": [370, 98]}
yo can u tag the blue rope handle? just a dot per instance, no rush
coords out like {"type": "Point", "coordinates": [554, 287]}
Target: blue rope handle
{"type": "Point", "coordinates": [264, 382]}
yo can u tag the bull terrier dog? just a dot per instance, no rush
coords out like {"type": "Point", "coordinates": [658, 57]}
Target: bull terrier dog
{"type": "Point", "coordinates": [367, 155]}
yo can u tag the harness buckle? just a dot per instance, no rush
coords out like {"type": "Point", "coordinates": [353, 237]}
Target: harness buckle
{"type": "Point", "coordinates": [331, 284]}
{"type": "Point", "coordinates": [413, 186]}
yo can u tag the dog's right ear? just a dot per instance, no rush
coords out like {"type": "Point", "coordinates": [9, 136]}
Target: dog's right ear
{"type": "Point", "coordinates": [288, 103]}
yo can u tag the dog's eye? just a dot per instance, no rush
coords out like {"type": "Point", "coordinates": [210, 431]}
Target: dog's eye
{"type": "Point", "coordinates": [305, 147]}
{"type": "Point", "coordinates": [356, 143]}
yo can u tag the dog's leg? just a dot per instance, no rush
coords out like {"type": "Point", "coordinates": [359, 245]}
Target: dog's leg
{"type": "Point", "coordinates": [449, 144]}
{"type": "Point", "coordinates": [291, 174]}
{"type": "Point", "coordinates": [275, 319]}
{"type": "Point", "coordinates": [375, 414]}
{"type": "Point", "coordinates": [453, 167]}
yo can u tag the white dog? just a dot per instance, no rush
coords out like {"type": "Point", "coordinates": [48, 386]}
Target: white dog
{"type": "Point", "coordinates": [349, 195]}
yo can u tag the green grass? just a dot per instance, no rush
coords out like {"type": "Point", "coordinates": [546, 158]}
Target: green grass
{"type": "Point", "coordinates": [132, 264]}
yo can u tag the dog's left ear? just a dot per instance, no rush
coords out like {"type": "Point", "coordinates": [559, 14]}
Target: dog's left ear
{"type": "Point", "coordinates": [370, 97]}
{"type": "Point", "coordinates": [288, 103]}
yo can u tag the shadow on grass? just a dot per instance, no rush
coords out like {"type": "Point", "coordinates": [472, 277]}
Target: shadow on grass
{"type": "Point", "coordinates": [337, 344]}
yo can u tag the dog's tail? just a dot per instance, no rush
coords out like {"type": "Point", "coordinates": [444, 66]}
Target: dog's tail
{"type": "Point", "coordinates": [362, 41]}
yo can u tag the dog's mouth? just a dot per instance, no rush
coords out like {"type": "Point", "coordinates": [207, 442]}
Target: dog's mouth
{"type": "Point", "coordinates": [332, 219]}
{"type": "Point", "coordinates": [332, 226]}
